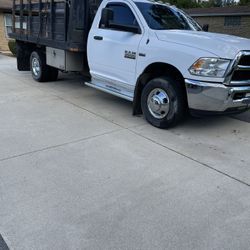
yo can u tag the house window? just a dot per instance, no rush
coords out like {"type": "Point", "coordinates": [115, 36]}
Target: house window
{"type": "Point", "coordinates": [8, 24]}
{"type": "Point", "coordinates": [232, 21]}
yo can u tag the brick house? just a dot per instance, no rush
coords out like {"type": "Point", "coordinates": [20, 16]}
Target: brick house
{"type": "Point", "coordinates": [5, 23]}
{"type": "Point", "coordinates": [229, 20]}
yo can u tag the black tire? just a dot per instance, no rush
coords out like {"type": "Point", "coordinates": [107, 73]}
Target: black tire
{"type": "Point", "coordinates": [53, 74]}
{"type": "Point", "coordinates": [39, 69]}
{"type": "Point", "coordinates": [163, 102]}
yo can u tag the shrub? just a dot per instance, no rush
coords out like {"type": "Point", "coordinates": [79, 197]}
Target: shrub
{"type": "Point", "coordinates": [12, 46]}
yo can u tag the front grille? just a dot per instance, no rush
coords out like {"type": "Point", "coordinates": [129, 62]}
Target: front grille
{"type": "Point", "coordinates": [245, 61]}
{"type": "Point", "coordinates": [241, 74]}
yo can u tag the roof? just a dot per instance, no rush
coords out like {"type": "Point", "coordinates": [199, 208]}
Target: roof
{"type": "Point", "coordinates": [220, 11]}
{"type": "Point", "coordinates": [5, 4]}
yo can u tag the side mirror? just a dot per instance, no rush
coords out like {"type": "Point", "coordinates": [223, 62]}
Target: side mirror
{"type": "Point", "coordinates": [107, 16]}
{"type": "Point", "coordinates": [205, 27]}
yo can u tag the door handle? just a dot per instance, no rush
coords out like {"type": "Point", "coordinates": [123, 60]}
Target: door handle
{"type": "Point", "coordinates": [99, 38]}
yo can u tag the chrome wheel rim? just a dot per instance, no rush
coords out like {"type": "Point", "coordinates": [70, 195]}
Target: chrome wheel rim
{"type": "Point", "coordinates": [36, 66]}
{"type": "Point", "coordinates": [158, 103]}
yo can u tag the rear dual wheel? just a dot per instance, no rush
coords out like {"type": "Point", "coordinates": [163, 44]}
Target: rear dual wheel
{"type": "Point", "coordinates": [41, 72]}
{"type": "Point", "coordinates": [163, 102]}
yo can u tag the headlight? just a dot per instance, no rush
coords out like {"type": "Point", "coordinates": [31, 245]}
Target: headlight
{"type": "Point", "coordinates": [209, 67]}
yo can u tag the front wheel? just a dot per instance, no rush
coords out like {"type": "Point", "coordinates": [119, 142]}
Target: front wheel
{"type": "Point", "coordinates": [163, 102]}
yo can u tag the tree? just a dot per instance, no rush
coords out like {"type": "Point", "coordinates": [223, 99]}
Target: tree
{"type": "Point", "coordinates": [244, 2]}
{"type": "Point", "coordinates": [218, 3]}
{"type": "Point", "coordinates": [185, 3]}
{"type": "Point", "coordinates": [229, 2]}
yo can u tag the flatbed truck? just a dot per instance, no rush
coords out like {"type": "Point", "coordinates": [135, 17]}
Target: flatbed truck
{"type": "Point", "coordinates": [147, 52]}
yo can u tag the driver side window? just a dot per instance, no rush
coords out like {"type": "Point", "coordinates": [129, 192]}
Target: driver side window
{"type": "Point", "coordinates": [122, 15]}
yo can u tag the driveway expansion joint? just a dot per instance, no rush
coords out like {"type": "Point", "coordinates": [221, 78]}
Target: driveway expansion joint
{"type": "Point", "coordinates": [58, 146]}
{"type": "Point", "coordinates": [193, 159]}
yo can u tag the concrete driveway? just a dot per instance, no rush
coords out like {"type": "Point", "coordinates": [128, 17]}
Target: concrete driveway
{"type": "Point", "coordinates": [78, 171]}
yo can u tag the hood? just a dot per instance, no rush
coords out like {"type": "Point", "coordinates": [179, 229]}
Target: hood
{"type": "Point", "coordinates": [224, 46]}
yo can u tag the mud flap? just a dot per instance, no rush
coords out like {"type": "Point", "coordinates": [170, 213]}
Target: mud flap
{"type": "Point", "coordinates": [23, 57]}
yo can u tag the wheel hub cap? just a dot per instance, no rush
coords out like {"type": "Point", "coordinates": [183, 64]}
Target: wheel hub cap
{"type": "Point", "coordinates": [158, 103]}
{"type": "Point", "coordinates": [35, 66]}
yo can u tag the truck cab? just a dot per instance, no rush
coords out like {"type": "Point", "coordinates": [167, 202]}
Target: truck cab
{"type": "Point", "coordinates": [159, 58]}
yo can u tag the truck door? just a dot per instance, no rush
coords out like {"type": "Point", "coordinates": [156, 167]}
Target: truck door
{"type": "Point", "coordinates": [112, 52]}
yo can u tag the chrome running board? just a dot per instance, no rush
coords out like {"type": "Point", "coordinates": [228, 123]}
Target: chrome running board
{"type": "Point", "coordinates": [107, 88]}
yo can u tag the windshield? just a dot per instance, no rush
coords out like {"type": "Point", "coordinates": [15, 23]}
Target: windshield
{"type": "Point", "coordinates": [163, 17]}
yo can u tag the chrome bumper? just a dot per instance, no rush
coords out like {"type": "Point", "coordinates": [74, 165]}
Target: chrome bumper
{"type": "Point", "coordinates": [216, 97]}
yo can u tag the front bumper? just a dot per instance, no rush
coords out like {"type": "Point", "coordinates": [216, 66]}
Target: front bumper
{"type": "Point", "coordinates": [216, 97]}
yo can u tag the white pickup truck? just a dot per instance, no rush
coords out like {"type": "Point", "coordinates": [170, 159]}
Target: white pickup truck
{"type": "Point", "coordinates": [149, 53]}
